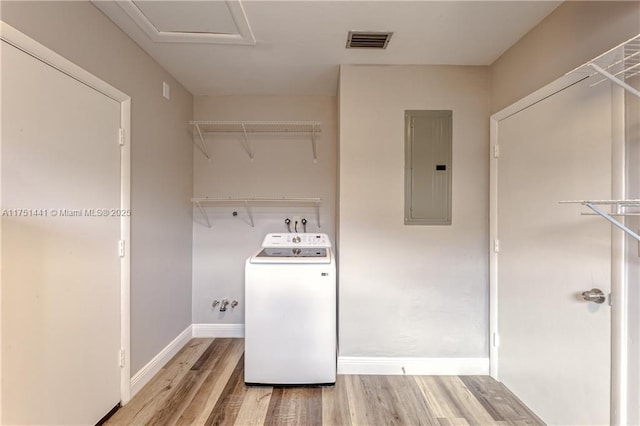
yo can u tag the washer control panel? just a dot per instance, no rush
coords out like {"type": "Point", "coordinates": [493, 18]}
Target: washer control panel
{"type": "Point", "coordinates": [296, 240]}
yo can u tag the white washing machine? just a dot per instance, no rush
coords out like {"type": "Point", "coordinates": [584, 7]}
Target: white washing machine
{"type": "Point", "coordinates": [290, 311]}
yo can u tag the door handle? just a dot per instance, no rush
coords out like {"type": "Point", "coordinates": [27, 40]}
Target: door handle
{"type": "Point", "coordinates": [594, 295]}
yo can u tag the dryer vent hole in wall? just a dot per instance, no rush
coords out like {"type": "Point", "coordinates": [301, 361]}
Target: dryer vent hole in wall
{"type": "Point", "coordinates": [223, 304]}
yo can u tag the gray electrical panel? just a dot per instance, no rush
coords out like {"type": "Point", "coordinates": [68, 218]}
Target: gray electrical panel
{"type": "Point", "coordinates": [427, 181]}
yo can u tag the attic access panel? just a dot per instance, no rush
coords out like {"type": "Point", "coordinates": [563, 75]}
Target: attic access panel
{"type": "Point", "coordinates": [189, 16]}
{"type": "Point", "coordinates": [172, 21]}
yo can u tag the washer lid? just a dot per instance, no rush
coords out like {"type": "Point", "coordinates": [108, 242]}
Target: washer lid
{"type": "Point", "coordinates": [292, 255]}
{"type": "Point", "coordinates": [296, 240]}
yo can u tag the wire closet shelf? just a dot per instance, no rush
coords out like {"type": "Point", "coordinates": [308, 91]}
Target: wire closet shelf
{"type": "Point", "coordinates": [248, 202]}
{"type": "Point", "coordinates": [618, 65]}
{"type": "Point", "coordinates": [246, 128]}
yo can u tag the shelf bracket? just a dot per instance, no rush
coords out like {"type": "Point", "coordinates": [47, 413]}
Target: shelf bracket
{"type": "Point", "coordinates": [313, 147]}
{"type": "Point", "coordinates": [249, 212]}
{"type": "Point", "coordinates": [318, 212]}
{"type": "Point", "coordinates": [615, 79]}
{"type": "Point", "coordinates": [613, 221]}
{"type": "Point", "coordinates": [246, 145]}
{"type": "Point", "coordinates": [203, 212]}
{"type": "Point", "coordinates": [203, 145]}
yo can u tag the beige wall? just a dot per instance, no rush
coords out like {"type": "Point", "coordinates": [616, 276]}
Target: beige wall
{"type": "Point", "coordinates": [161, 221]}
{"type": "Point", "coordinates": [573, 34]}
{"type": "Point", "coordinates": [411, 291]}
{"type": "Point", "coordinates": [282, 167]}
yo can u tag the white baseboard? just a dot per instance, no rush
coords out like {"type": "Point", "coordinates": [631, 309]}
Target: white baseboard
{"type": "Point", "coordinates": [147, 372]}
{"type": "Point", "coordinates": [346, 364]}
{"type": "Point", "coordinates": [218, 330]}
{"type": "Point", "coordinates": [413, 366]}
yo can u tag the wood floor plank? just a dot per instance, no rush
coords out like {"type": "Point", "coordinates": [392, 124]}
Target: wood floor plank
{"type": "Point", "coordinates": [211, 354]}
{"type": "Point", "coordinates": [335, 404]}
{"type": "Point", "coordinates": [437, 397]}
{"type": "Point", "coordinates": [485, 398]}
{"type": "Point", "coordinates": [165, 415]}
{"type": "Point", "coordinates": [228, 406]}
{"type": "Point", "coordinates": [153, 395]}
{"type": "Point", "coordinates": [213, 383]}
{"type": "Point", "coordinates": [255, 405]}
{"type": "Point", "coordinates": [389, 400]}
{"type": "Point", "coordinates": [464, 401]}
{"type": "Point", "coordinates": [408, 395]}
{"type": "Point", "coordinates": [204, 384]}
{"type": "Point", "coordinates": [295, 406]}
{"type": "Point", "coordinates": [452, 421]}
{"type": "Point", "coordinates": [369, 404]}
{"type": "Point", "coordinates": [187, 388]}
{"type": "Point", "coordinates": [500, 401]}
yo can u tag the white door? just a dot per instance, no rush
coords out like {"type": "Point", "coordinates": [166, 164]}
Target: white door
{"type": "Point", "coordinates": [554, 350]}
{"type": "Point", "coordinates": [60, 261]}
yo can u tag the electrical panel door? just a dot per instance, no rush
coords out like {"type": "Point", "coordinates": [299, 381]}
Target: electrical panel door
{"type": "Point", "coordinates": [428, 140]}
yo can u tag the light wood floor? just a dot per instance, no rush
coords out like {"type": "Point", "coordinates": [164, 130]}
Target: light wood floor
{"type": "Point", "coordinates": [204, 384]}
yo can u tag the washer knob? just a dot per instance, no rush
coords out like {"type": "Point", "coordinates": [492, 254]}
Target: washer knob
{"type": "Point", "coordinates": [296, 239]}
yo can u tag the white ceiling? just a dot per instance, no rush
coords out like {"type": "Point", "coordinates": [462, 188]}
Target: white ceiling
{"type": "Point", "coordinates": [300, 44]}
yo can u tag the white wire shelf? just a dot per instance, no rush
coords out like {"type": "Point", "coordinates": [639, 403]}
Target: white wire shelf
{"type": "Point", "coordinates": [617, 65]}
{"type": "Point", "coordinates": [620, 205]}
{"type": "Point", "coordinates": [630, 203]}
{"type": "Point", "coordinates": [248, 202]}
{"type": "Point", "coordinates": [246, 128]}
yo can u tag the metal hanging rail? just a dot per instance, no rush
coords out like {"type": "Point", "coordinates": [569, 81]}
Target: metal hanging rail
{"type": "Point", "coordinates": [248, 202]}
{"type": "Point", "coordinates": [617, 65]}
{"type": "Point", "coordinates": [619, 204]}
{"type": "Point", "coordinates": [312, 128]}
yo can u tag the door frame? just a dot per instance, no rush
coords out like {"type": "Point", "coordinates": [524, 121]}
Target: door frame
{"type": "Point", "coordinates": [619, 364]}
{"type": "Point", "coordinates": [31, 47]}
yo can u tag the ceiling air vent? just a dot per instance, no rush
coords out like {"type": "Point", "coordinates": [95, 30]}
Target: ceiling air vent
{"type": "Point", "coordinates": [368, 39]}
